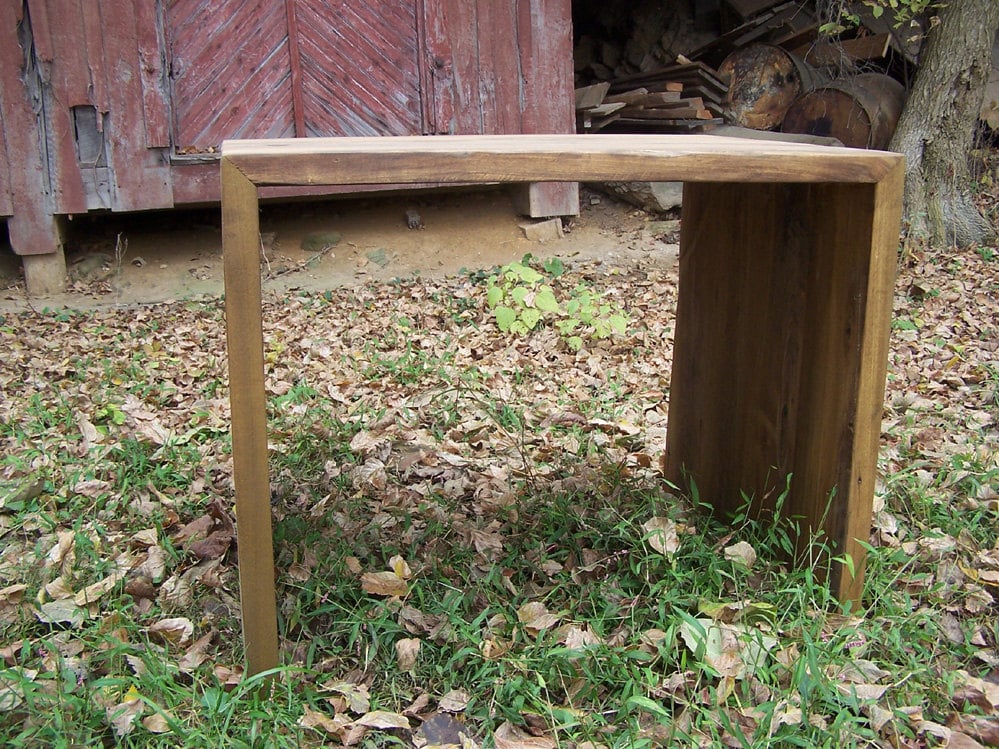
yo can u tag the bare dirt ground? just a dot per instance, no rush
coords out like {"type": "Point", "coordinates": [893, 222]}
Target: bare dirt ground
{"type": "Point", "coordinates": [118, 260]}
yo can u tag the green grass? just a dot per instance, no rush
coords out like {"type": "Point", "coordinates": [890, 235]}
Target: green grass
{"type": "Point", "coordinates": [506, 484]}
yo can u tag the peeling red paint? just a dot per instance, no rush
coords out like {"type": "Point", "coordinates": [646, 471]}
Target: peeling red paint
{"type": "Point", "coordinates": [168, 81]}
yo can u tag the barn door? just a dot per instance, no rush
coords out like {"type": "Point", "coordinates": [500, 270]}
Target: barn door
{"type": "Point", "coordinates": [264, 69]}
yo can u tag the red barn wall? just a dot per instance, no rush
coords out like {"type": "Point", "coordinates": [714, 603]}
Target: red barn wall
{"type": "Point", "coordinates": [123, 109]}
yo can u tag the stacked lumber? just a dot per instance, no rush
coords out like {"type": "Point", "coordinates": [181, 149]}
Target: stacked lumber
{"type": "Point", "coordinates": [686, 97]}
{"type": "Point", "coordinates": [766, 59]}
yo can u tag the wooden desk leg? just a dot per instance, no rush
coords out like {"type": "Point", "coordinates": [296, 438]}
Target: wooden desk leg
{"type": "Point", "coordinates": [244, 330]}
{"type": "Point", "coordinates": [781, 350]}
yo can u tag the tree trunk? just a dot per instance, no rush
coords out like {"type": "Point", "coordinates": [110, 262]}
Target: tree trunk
{"type": "Point", "coordinates": [937, 128]}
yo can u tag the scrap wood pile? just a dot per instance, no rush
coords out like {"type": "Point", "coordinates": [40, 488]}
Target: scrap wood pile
{"type": "Point", "coordinates": [766, 67]}
{"type": "Point", "coordinates": [679, 98]}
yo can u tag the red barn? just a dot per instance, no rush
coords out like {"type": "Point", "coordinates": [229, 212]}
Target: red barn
{"type": "Point", "coordinates": [121, 106]}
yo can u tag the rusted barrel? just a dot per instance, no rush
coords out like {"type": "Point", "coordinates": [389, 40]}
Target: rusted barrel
{"type": "Point", "coordinates": [862, 111]}
{"type": "Point", "coordinates": [763, 81]}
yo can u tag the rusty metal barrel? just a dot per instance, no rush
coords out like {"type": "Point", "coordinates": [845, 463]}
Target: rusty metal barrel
{"type": "Point", "coordinates": [763, 81]}
{"type": "Point", "coordinates": [861, 111]}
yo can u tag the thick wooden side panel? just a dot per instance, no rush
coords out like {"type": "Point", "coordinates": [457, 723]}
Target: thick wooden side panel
{"type": "Point", "coordinates": [737, 352]}
{"type": "Point", "coordinates": [854, 230]}
{"type": "Point", "coordinates": [244, 331]}
{"type": "Point", "coordinates": [780, 353]}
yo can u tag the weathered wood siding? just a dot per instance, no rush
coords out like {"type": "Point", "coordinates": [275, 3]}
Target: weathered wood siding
{"type": "Point", "coordinates": [121, 104]}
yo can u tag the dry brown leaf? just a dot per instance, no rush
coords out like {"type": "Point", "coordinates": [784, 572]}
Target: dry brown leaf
{"type": "Point", "coordinates": [535, 617]}
{"type": "Point", "coordinates": [742, 553]}
{"type": "Point", "coordinates": [356, 695]}
{"type": "Point", "coordinates": [332, 725]}
{"type": "Point", "coordinates": [175, 631]}
{"type": "Point", "coordinates": [92, 593]}
{"type": "Point", "coordinates": [159, 722]}
{"type": "Point", "coordinates": [454, 701]}
{"type": "Point", "coordinates": [508, 736]}
{"type": "Point", "coordinates": [124, 715]}
{"type": "Point", "coordinates": [661, 534]}
{"type": "Point", "coordinates": [384, 584]}
{"type": "Point", "coordinates": [406, 652]}
{"type": "Point", "coordinates": [383, 720]}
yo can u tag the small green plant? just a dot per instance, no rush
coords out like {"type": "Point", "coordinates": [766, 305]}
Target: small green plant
{"type": "Point", "coordinates": [521, 298]}
{"type": "Point", "coordinates": [844, 16]}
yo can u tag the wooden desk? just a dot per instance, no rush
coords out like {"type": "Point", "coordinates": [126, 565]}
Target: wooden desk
{"type": "Point", "coordinates": [787, 262]}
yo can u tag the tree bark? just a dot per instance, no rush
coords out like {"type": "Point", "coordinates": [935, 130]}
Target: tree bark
{"type": "Point", "coordinates": [937, 128]}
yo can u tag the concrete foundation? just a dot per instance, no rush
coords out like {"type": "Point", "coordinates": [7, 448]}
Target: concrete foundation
{"type": "Point", "coordinates": [45, 274]}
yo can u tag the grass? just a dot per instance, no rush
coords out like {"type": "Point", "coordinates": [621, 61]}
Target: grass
{"type": "Point", "coordinates": [511, 489]}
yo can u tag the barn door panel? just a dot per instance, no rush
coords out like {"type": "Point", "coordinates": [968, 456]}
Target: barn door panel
{"type": "Point", "coordinates": [359, 67]}
{"type": "Point", "coordinates": [230, 72]}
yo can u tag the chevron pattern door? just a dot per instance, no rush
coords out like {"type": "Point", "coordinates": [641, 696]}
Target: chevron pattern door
{"type": "Point", "coordinates": [265, 69]}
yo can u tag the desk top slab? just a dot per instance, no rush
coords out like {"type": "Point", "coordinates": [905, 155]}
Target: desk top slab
{"type": "Point", "coordinates": [539, 158]}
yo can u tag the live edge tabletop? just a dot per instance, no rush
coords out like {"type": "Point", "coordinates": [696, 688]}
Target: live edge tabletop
{"type": "Point", "coordinates": [787, 264]}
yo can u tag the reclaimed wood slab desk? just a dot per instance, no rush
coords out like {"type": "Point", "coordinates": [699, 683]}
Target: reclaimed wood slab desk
{"type": "Point", "coordinates": [787, 263]}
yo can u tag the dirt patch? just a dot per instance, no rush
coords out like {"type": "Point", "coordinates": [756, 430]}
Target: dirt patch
{"type": "Point", "coordinates": [312, 246]}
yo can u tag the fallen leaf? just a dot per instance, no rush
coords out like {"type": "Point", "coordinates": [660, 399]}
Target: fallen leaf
{"type": "Point", "coordinates": [63, 548]}
{"type": "Point", "coordinates": [383, 720]}
{"type": "Point", "coordinates": [176, 631]}
{"type": "Point", "coordinates": [157, 723]}
{"type": "Point", "coordinates": [731, 650]}
{"type": "Point", "coordinates": [213, 547]}
{"type": "Point", "coordinates": [742, 553]}
{"type": "Point", "coordinates": [356, 695]}
{"type": "Point", "coordinates": [535, 617]}
{"type": "Point", "coordinates": [124, 715]}
{"type": "Point", "coordinates": [384, 584]}
{"type": "Point", "coordinates": [454, 701]}
{"type": "Point", "coordinates": [319, 721]}
{"type": "Point", "coordinates": [406, 652]}
{"type": "Point", "coordinates": [63, 611]}
{"type": "Point", "coordinates": [661, 534]}
{"type": "Point", "coordinates": [508, 736]}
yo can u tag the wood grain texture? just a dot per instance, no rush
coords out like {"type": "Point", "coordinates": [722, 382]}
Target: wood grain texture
{"type": "Point", "coordinates": [781, 351]}
{"type": "Point", "coordinates": [737, 351]}
{"type": "Point", "coordinates": [230, 70]}
{"type": "Point", "coordinates": [142, 178]}
{"type": "Point", "coordinates": [359, 67]}
{"type": "Point", "coordinates": [244, 331]}
{"type": "Point", "coordinates": [31, 228]}
{"type": "Point", "coordinates": [512, 158]}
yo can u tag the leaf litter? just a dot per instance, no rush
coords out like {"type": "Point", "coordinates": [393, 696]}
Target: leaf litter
{"type": "Point", "coordinates": [407, 426]}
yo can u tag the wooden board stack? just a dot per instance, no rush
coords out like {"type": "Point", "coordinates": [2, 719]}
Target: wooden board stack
{"type": "Point", "coordinates": [686, 97]}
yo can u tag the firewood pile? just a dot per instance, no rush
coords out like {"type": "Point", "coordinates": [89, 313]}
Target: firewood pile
{"type": "Point", "coordinates": [759, 64]}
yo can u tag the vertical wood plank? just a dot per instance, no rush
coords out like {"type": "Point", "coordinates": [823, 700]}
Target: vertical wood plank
{"type": "Point", "coordinates": [733, 390]}
{"type": "Point", "coordinates": [499, 75]}
{"type": "Point", "coordinates": [849, 288]}
{"type": "Point", "coordinates": [155, 106]}
{"type": "Point", "coordinates": [32, 227]}
{"type": "Point", "coordinates": [62, 73]}
{"type": "Point", "coordinates": [142, 178]}
{"type": "Point", "coordinates": [244, 331]}
{"type": "Point", "coordinates": [295, 64]}
{"type": "Point", "coordinates": [544, 41]}
{"type": "Point", "coordinates": [451, 44]}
